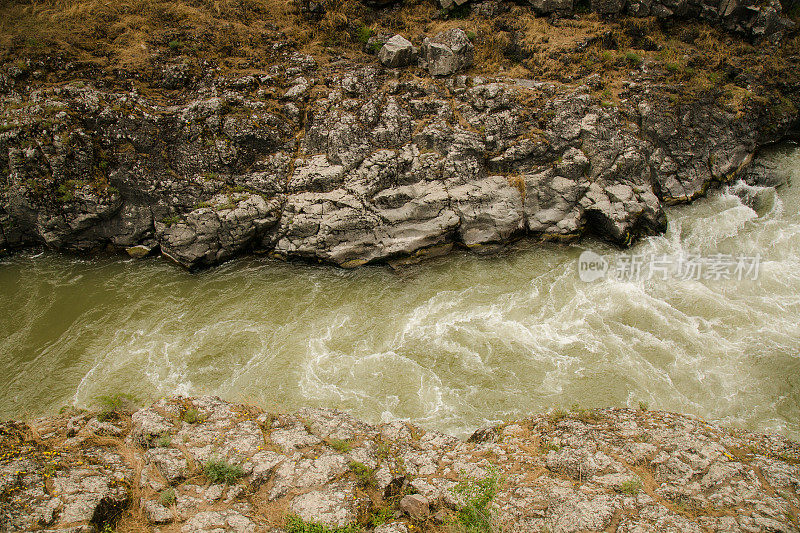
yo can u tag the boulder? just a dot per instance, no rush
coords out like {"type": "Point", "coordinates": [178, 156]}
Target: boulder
{"type": "Point", "coordinates": [545, 7]}
{"type": "Point", "coordinates": [450, 4]}
{"type": "Point", "coordinates": [447, 53]}
{"type": "Point", "coordinates": [416, 506]}
{"type": "Point", "coordinates": [397, 52]}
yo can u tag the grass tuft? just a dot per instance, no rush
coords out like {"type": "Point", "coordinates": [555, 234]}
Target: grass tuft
{"type": "Point", "coordinates": [340, 445]}
{"type": "Point", "coordinates": [111, 406]}
{"type": "Point", "coordinates": [220, 471]}
{"type": "Point", "coordinates": [167, 497]}
{"type": "Point", "coordinates": [475, 515]}
{"type": "Point", "coordinates": [631, 486]}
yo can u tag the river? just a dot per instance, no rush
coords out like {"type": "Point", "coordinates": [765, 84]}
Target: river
{"type": "Point", "coordinates": [452, 343]}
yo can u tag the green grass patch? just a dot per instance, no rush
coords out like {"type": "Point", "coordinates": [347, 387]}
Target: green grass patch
{"type": "Point", "coordinates": [475, 516]}
{"type": "Point", "coordinates": [364, 473]}
{"type": "Point", "coordinates": [167, 497]}
{"type": "Point", "coordinates": [340, 445]}
{"type": "Point", "coordinates": [192, 416]}
{"type": "Point", "coordinates": [631, 486]}
{"type": "Point", "coordinates": [220, 471]}
{"type": "Point", "coordinates": [111, 406]}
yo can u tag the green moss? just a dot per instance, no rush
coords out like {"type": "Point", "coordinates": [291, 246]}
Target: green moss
{"type": "Point", "coordinates": [170, 220]}
{"type": "Point", "coordinates": [192, 416]}
{"type": "Point", "coordinates": [363, 33]}
{"type": "Point", "coordinates": [633, 58]}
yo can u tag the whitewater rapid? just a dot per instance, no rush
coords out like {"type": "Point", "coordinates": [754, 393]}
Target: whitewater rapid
{"type": "Point", "coordinates": [452, 343]}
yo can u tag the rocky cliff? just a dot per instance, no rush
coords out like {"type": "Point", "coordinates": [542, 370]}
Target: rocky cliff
{"type": "Point", "coordinates": [341, 159]}
{"type": "Point", "coordinates": [203, 465]}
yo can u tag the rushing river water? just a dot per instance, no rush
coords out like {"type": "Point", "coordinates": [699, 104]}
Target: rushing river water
{"type": "Point", "coordinates": [452, 343]}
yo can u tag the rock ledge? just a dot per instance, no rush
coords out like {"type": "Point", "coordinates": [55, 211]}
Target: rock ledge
{"type": "Point", "coordinates": [582, 470]}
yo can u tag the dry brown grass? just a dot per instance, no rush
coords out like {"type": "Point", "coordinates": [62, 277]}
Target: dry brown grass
{"type": "Point", "coordinates": [128, 32]}
{"type": "Point", "coordinates": [238, 35]}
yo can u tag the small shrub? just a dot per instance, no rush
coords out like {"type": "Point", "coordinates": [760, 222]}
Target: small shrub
{"type": "Point", "coordinates": [65, 193]}
{"type": "Point", "coordinates": [340, 445]}
{"type": "Point", "coordinates": [383, 449]}
{"type": "Point", "coordinates": [380, 516]}
{"type": "Point", "coordinates": [112, 406]}
{"type": "Point", "coordinates": [163, 441]}
{"type": "Point", "coordinates": [643, 405]}
{"type": "Point", "coordinates": [631, 486]}
{"type": "Point", "coordinates": [557, 414]}
{"type": "Point", "coordinates": [363, 33]}
{"type": "Point", "coordinates": [170, 220]}
{"type": "Point", "coordinates": [584, 415]}
{"type": "Point", "coordinates": [362, 472]}
{"type": "Point", "coordinates": [167, 497]}
{"type": "Point", "coordinates": [192, 416]}
{"type": "Point", "coordinates": [471, 35]}
{"type": "Point", "coordinates": [175, 44]}
{"type": "Point", "coordinates": [220, 471]}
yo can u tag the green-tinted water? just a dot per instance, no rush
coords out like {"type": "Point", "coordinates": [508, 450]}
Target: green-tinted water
{"type": "Point", "coordinates": [451, 343]}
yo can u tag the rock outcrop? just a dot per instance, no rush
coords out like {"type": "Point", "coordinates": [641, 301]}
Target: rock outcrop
{"type": "Point", "coordinates": [203, 464]}
{"type": "Point", "coordinates": [386, 169]}
{"type": "Point", "coordinates": [377, 160]}
{"type": "Point", "coordinates": [752, 18]}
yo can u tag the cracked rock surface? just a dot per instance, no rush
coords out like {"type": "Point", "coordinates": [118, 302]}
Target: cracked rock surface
{"type": "Point", "coordinates": [582, 470]}
{"type": "Point", "coordinates": [363, 164]}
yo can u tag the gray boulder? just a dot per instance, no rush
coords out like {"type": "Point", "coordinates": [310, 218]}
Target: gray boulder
{"type": "Point", "coordinates": [607, 7]}
{"type": "Point", "coordinates": [447, 52]}
{"type": "Point", "coordinates": [545, 7]}
{"type": "Point", "coordinates": [397, 52]}
{"type": "Point", "coordinates": [450, 4]}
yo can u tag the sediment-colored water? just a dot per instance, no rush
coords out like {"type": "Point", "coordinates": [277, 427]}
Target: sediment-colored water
{"type": "Point", "coordinates": [452, 343]}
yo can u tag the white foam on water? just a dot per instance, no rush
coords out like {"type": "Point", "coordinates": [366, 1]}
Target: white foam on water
{"type": "Point", "coordinates": [453, 343]}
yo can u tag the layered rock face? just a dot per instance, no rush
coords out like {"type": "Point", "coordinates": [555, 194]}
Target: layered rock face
{"type": "Point", "coordinates": [202, 465]}
{"type": "Point", "coordinates": [360, 166]}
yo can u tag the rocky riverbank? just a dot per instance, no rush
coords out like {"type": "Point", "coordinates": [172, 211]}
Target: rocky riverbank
{"type": "Point", "coordinates": [592, 126]}
{"type": "Point", "coordinates": [202, 464]}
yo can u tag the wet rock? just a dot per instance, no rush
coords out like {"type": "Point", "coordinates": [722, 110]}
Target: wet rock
{"type": "Point", "coordinates": [212, 234]}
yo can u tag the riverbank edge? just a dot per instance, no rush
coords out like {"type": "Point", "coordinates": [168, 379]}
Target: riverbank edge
{"type": "Point", "coordinates": [203, 464]}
